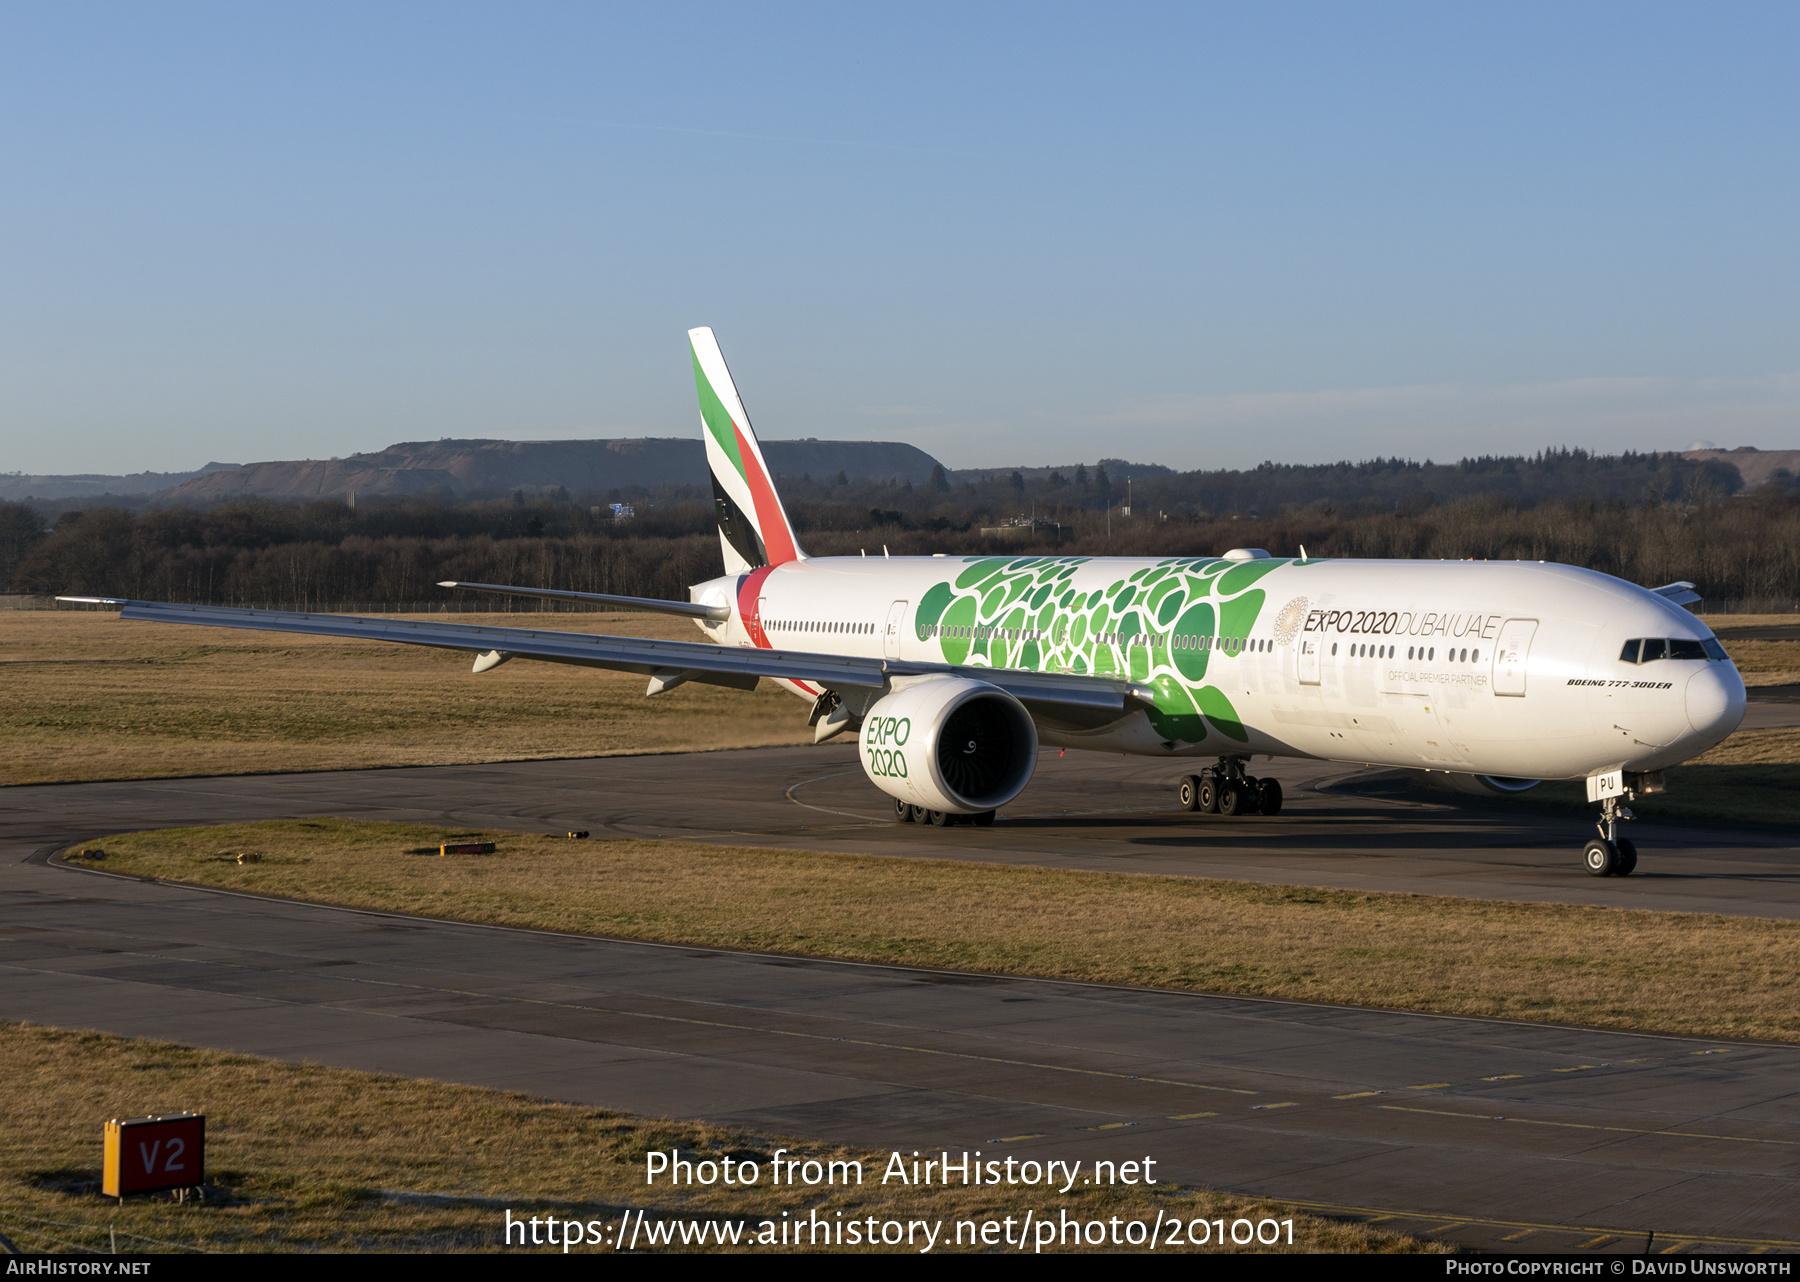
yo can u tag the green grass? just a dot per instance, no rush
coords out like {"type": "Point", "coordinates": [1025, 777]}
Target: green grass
{"type": "Point", "coordinates": [90, 696]}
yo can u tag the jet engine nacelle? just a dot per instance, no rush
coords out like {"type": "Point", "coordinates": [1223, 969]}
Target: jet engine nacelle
{"type": "Point", "coordinates": [949, 744]}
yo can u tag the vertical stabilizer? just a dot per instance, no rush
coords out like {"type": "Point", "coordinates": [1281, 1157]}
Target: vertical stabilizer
{"type": "Point", "coordinates": [753, 529]}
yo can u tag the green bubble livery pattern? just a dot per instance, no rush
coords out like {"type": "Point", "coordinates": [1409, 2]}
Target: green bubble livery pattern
{"type": "Point", "coordinates": [1149, 627]}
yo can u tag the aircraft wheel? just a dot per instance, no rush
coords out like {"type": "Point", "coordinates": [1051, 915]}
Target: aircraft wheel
{"type": "Point", "coordinates": [1231, 799]}
{"type": "Point", "coordinates": [983, 820]}
{"type": "Point", "coordinates": [1268, 797]}
{"type": "Point", "coordinates": [1208, 797]}
{"type": "Point", "coordinates": [1627, 857]}
{"type": "Point", "coordinates": [903, 813]}
{"type": "Point", "coordinates": [1600, 858]}
{"type": "Point", "coordinates": [1189, 792]}
{"type": "Point", "coordinates": [937, 819]}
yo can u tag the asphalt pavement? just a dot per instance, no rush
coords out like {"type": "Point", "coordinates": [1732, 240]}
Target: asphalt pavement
{"type": "Point", "coordinates": [1492, 1133]}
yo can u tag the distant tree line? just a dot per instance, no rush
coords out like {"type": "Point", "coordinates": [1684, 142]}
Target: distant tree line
{"type": "Point", "coordinates": [1647, 518]}
{"type": "Point", "coordinates": [1379, 484]}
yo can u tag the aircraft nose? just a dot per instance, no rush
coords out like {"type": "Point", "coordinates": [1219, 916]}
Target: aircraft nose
{"type": "Point", "coordinates": [1715, 700]}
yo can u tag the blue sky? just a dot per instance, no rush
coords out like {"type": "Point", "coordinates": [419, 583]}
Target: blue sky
{"type": "Point", "coordinates": [1200, 235]}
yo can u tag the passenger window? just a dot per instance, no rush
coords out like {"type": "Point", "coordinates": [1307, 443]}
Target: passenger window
{"type": "Point", "coordinates": [1630, 653]}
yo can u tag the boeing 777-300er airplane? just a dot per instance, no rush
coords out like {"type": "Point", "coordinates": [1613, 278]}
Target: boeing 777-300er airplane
{"type": "Point", "coordinates": [954, 671]}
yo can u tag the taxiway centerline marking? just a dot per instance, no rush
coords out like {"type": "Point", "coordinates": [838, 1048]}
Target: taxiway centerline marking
{"type": "Point", "coordinates": [1590, 1126]}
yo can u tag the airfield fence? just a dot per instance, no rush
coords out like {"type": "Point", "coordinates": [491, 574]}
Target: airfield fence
{"type": "Point", "coordinates": [1748, 605]}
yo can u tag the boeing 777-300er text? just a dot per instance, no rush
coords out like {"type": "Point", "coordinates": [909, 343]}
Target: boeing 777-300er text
{"type": "Point", "coordinates": [955, 671]}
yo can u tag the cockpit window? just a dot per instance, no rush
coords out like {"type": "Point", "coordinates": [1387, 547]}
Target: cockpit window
{"type": "Point", "coordinates": [1647, 649]}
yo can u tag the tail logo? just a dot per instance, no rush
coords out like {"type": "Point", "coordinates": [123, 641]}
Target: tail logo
{"type": "Point", "coordinates": [753, 527]}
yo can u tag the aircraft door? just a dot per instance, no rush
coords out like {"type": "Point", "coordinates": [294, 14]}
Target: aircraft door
{"type": "Point", "coordinates": [895, 621]}
{"type": "Point", "coordinates": [1308, 657]}
{"type": "Point", "coordinates": [1512, 650]}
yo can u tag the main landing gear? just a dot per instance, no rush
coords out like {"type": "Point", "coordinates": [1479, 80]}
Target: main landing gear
{"type": "Point", "coordinates": [907, 813]}
{"type": "Point", "coordinates": [1610, 855]}
{"type": "Point", "coordinates": [1226, 790]}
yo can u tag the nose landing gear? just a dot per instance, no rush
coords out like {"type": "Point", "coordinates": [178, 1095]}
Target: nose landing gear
{"type": "Point", "coordinates": [1610, 855]}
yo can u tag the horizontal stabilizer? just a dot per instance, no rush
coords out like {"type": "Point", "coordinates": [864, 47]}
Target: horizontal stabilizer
{"type": "Point", "coordinates": [1681, 593]}
{"type": "Point", "coordinates": [687, 610]}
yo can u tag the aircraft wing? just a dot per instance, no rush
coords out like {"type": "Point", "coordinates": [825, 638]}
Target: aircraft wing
{"type": "Point", "coordinates": [666, 663]}
{"type": "Point", "coordinates": [1681, 593]}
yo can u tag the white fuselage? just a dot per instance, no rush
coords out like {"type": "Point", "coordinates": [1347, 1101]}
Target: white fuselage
{"type": "Point", "coordinates": [1489, 668]}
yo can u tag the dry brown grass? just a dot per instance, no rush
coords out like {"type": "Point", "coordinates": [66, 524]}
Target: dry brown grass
{"type": "Point", "coordinates": [307, 1158]}
{"type": "Point", "coordinates": [1766, 663]}
{"type": "Point", "coordinates": [1678, 972]}
{"type": "Point", "coordinates": [1753, 748]}
{"type": "Point", "coordinates": [1762, 663]}
{"type": "Point", "coordinates": [90, 696]}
